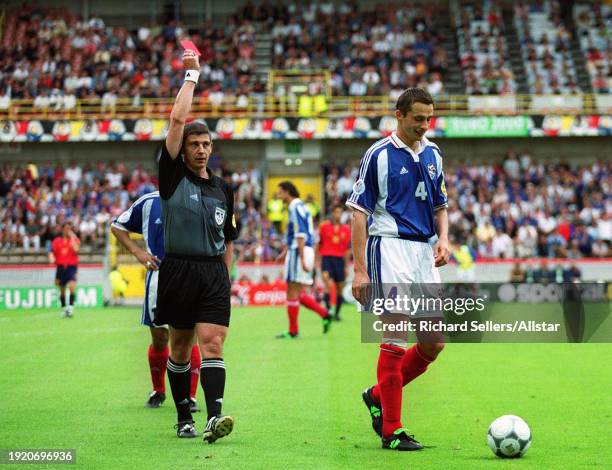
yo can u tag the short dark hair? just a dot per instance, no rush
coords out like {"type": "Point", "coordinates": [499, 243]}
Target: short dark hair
{"type": "Point", "coordinates": [195, 128]}
{"type": "Point", "coordinates": [411, 96]}
{"type": "Point", "coordinates": [290, 188]}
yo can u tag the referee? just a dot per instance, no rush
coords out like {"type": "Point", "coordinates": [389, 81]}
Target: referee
{"type": "Point", "coordinates": [194, 284]}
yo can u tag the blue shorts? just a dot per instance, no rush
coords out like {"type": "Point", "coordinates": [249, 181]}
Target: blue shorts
{"type": "Point", "coordinates": [150, 300]}
{"type": "Point", "coordinates": [66, 273]}
{"type": "Point", "coordinates": [334, 266]}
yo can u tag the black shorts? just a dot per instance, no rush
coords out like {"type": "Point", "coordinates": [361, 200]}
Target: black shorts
{"type": "Point", "coordinates": [334, 265]}
{"type": "Point", "coordinates": [191, 291]}
{"type": "Point", "coordinates": [66, 273]}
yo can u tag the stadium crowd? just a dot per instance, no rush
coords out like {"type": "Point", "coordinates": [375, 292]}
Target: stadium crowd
{"type": "Point", "coordinates": [522, 209]}
{"type": "Point", "coordinates": [593, 28]}
{"type": "Point", "coordinates": [55, 57]}
{"type": "Point", "coordinates": [517, 208]}
{"type": "Point", "coordinates": [368, 52]}
{"type": "Point", "coordinates": [483, 51]}
{"type": "Point", "coordinates": [546, 48]}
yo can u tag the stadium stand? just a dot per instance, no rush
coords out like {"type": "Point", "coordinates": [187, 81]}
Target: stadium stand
{"type": "Point", "coordinates": [55, 57]}
{"type": "Point", "coordinates": [57, 60]}
{"type": "Point", "coordinates": [592, 25]}
{"type": "Point", "coordinates": [546, 49]}
{"type": "Point", "coordinates": [483, 50]}
{"type": "Point", "coordinates": [36, 199]}
{"type": "Point", "coordinates": [546, 209]}
{"type": "Point", "coordinates": [369, 52]}
{"type": "Point", "coordinates": [521, 208]}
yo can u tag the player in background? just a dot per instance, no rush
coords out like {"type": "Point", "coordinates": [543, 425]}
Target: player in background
{"type": "Point", "coordinates": [399, 237]}
{"type": "Point", "coordinates": [334, 242]}
{"type": "Point", "coordinates": [144, 217]}
{"type": "Point", "coordinates": [65, 254]}
{"type": "Point", "coordinates": [299, 260]}
{"type": "Point", "coordinates": [465, 257]}
{"type": "Point", "coordinates": [118, 285]}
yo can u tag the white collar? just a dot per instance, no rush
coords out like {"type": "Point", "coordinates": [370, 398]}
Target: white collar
{"type": "Point", "coordinates": [400, 144]}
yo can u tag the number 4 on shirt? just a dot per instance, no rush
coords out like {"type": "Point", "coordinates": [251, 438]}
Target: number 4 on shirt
{"type": "Point", "coordinates": [421, 191]}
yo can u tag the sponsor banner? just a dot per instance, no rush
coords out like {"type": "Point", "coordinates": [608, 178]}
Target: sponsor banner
{"type": "Point", "coordinates": [267, 295]}
{"type": "Point", "coordinates": [484, 126]}
{"type": "Point", "coordinates": [120, 130]}
{"type": "Point", "coordinates": [27, 298]}
{"type": "Point", "coordinates": [246, 293]}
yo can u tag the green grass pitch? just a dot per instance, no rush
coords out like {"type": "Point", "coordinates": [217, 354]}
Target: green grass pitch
{"type": "Point", "coordinates": [81, 384]}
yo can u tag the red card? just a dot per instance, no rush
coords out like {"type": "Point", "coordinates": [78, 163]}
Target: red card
{"type": "Point", "coordinates": [190, 46]}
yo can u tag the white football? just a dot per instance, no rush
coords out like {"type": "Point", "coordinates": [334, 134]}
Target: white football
{"type": "Point", "coordinates": [509, 436]}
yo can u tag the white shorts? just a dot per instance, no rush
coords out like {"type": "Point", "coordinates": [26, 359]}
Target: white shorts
{"type": "Point", "coordinates": [294, 271]}
{"type": "Point", "coordinates": [150, 300]}
{"type": "Point", "coordinates": [395, 263]}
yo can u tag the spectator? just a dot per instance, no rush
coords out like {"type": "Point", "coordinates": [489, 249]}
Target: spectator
{"type": "Point", "coordinates": [544, 275]}
{"type": "Point", "coordinates": [600, 249]}
{"type": "Point", "coordinates": [572, 274]}
{"type": "Point", "coordinates": [517, 275]}
{"type": "Point", "coordinates": [502, 245]}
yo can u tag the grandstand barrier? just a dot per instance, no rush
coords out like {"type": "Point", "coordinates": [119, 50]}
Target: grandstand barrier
{"type": "Point", "coordinates": [568, 104]}
{"type": "Point", "coordinates": [494, 104]}
{"type": "Point", "coordinates": [604, 103]}
{"type": "Point", "coordinates": [353, 127]}
{"type": "Point", "coordinates": [270, 107]}
{"type": "Point", "coordinates": [24, 287]}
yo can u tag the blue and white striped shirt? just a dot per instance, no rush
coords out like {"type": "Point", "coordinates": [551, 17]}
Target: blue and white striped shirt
{"type": "Point", "coordinates": [145, 217]}
{"type": "Point", "coordinates": [400, 189]}
{"type": "Point", "coordinates": [299, 224]}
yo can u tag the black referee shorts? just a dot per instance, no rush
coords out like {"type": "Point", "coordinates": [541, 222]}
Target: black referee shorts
{"type": "Point", "coordinates": [192, 290]}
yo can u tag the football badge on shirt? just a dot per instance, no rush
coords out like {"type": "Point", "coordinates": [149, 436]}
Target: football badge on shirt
{"type": "Point", "coordinates": [219, 215]}
{"type": "Point", "coordinates": [359, 187]}
{"type": "Point", "coordinates": [431, 169]}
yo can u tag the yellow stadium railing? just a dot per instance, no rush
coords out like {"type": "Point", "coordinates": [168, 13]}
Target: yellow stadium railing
{"type": "Point", "coordinates": [269, 106]}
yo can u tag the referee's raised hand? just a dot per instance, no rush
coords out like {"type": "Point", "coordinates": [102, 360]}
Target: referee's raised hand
{"type": "Point", "coordinates": [190, 60]}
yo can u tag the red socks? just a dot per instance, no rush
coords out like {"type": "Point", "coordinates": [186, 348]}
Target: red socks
{"type": "Point", "coordinates": [157, 365]}
{"type": "Point", "coordinates": [389, 376]}
{"type": "Point", "coordinates": [293, 309]}
{"type": "Point", "coordinates": [310, 303]}
{"type": "Point", "coordinates": [195, 371]}
{"type": "Point", "coordinates": [414, 363]}
{"type": "Point", "coordinates": [333, 295]}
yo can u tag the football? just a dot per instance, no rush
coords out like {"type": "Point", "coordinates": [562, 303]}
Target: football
{"type": "Point", "coordinates": [509, 436]}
